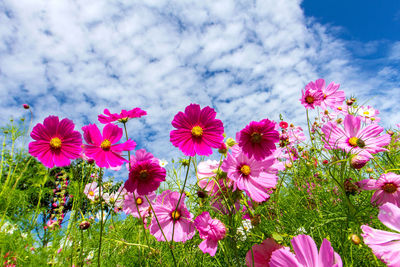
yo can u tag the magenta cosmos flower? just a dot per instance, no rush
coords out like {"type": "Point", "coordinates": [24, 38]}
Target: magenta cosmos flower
{"type": "Point", "coordinates": [310, 97]}
{"type": "Point", "coordinates": [353, 138]}
{"type": "Point", "coordinates": [145, 177]}
{"type": "Point", "coordinates": [250, 175]}
{"type": "Point", "coordinates": [387, 188]}
{"type": "Point", "coordinates": [197, 131]}
{"type": "Point", "coordinates": [138, 203]}
{"type": "Point", "coordinates": [167, 213]}
{"type": "Point", "coordinates": [258, 139]}
{"type": "Point", "coordinates": [307, 254]}
{"type": "Point", "coordinates": [385, 245]}
{"type": "Point", "coordinates": [103, 148]}
{"type": "Point", "coordinates": [56, 142]}
{"type": "Point", "coordinates": [124, 116]}
{"type": "Point", "coordinates": [211, 230]}
{"type": "Point", "coordinates": [261, 253]}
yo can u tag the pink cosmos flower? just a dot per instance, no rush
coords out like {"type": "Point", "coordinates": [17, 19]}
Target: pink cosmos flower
{"type": "Point", "coordinates": [91, 191]}
{"type": "Point", "coordinates": [197, 131]}
{"type": "Point", "coordinates": [307, 254]}
{"type": "Point", "coordinates": [130, 202]}
{"type": "Point", "coordinates": [211, 230]}
{"type": "Point", "coordinates": [385, 245]}
{"type": "Point", "coordinates": [311, 97]}
{"type": "Point", "coordinates": [387, 188]}
{"type": "Point", "coordinates": [167, 214]}
{"type": "Point", "coordinates": [56, 142]}
{"type": "Point", "coordinates": [331, 96]}
{"type": "Point", "coordinates": [258, 139]}
{"type": "Point", "coordinates": [252, 176]}
{"type": "Point", "coordinates": [261, 253]}
{"type": "Point", "coordinates": [124, 116]}
{"type": "Point", "coordinates": [145, 177]}
{"type": "Point", "coordinates": [353, 138]}
{"type": "Point", "coordinates": [103, 148]}
{"type": "Point", "coordinates": [206, 169]}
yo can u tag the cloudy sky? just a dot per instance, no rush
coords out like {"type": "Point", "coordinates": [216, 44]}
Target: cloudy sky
{"type": "Point", "coordinates": [248, 60]}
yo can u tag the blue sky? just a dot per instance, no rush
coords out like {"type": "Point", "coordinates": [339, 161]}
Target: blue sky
{"type": "Point", "coordinates": [247, 59]}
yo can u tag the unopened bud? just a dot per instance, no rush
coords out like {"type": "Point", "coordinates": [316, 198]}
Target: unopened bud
{"type": "Point", "coordinates": [369, 170]}
{"type": "Point", "coordinates": [26, 106]}
{"type": "Point", "coordinates": [84, 225]}
{"type": "Point", "coordinates": [201, 194]}
{"type": "Point", "coordinates": [230, 142]}
{"type": "Point", "coordinates": [349, 102]}
{"type": "Point", "coordinates": [390, 132]}
{"type": "Point", "coordinates": [355, 239]}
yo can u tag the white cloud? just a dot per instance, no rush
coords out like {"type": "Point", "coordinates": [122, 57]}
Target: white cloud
{"type": "Point", "coordinates": [247, 59]}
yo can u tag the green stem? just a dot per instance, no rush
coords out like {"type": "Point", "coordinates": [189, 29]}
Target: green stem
{"type": "Point", "coordinates": [101, 218]}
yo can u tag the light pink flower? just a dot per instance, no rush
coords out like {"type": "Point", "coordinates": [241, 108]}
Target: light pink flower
{"type": "Point", "coordinates": [124, 116]}
{"type": "Point", "coordinates": [168, 215]}
{"type": "Point", "coordinates": [387, 188]}
{"type": "Point", "coordinates": [207, 169]}
{"type": "Point", "coordinates": [368, 113]}
{"type": "Point", "coordinates": [115, 199]}
{"type": "Point", "coordinates": [56, 142]}
{"type": "Point", "coordinates": [307, 254]}
{"type": "Point", "coordinates": [103, 148]}
{"type": "Point", "coordinates": [252, 176]}
{"type": "Point", "coordinates": [261, 253]}
{"type": "Point", "coordinates": [258, 139]}
{"type": "Point", "coordinates": [211, 230]}
{"type": "Point", "coordinates": [91, 191]}
{"type": "Point", "coordinates": [197, 131]}
{"type": "Point", "coordinates": [332, 97]}
{"type": "Point", "coordinates": [130, 202]}
{"type": "Point", "coordinates": [385, 245]}
{"type": "Point", "coordinates": [145, 177]}
{"type": "Point", "coordinates": [353, 138]}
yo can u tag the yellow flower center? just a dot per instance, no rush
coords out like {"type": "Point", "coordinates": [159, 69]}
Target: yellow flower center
{"type": "Point", "coordinates": [339, 108]}
{"type": "Point", "coordinates": [197, 131]}
{"type": "Point", "coordinates": [326, 112]}
{"type": "Point", "coordinates": [389, 188]}
{"type": "Point", "coordinates": [55, 143]}
{"type": "Point", "coordinates": [325, 96]}
{"type": "Point", "coordinates": [256, 138]}
{"type": "Point", "coordinates": [175, 215]}
{"type": "Point", "coordinates": [139, 201]}
{"type": "Point", "coordinates": [366, 113]}
{"type": "Point", "coordinates": [310, 99]}
{"type": "Point", "coordinates": [91, 193]}
{"type": "Point", "coordinates": [143, 174]}
{"type": "Point", "coordinates": [353, 141]}
{"type": "Point", "coordinates": [105, 145]}
{"type": "Point", "coordinates": [245, 169]}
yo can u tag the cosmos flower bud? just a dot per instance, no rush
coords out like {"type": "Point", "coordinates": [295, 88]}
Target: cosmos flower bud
{"type": "Point", "coordinates": [358, 161]}
{"type": "Point", "coordinates": [390, 132]}
{"type": "Point", "coordinates": [26, 106]}
{"type": "Point", "coordinates": [84, 225]}
{"type": "Point", "coordinates": [349, 102]}
{"type": "Point", "coordinates": [355, 239]}
{"type": "Point", "coordinates": [230, 142]}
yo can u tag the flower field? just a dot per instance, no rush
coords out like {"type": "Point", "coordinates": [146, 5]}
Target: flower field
{"type": "Point", "coordinates": [276, 194]}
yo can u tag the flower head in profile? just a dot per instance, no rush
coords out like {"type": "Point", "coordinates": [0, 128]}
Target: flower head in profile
{"type": "Point", "coordinates": [387, 188]}
{"type": "Point", "coordinates": [56, 142]}
{"type": "Point", "coordinates": [211, 230]}
{"type": "Point", "coordinates": [260, 254]}
{"type": "Point", "coordinates": [91, 191]}
{"type": "Point", "coordinates": [258, 139]}
{"type": "Point", "coordinates": [354, 138]}
{"type": "Point", "coordinates": [169, 214]}
{"type": "Point", "coordinates": [385, 245]}
{"type": "Point", "coordinates": [103, 148]}
{"type": "Point", "coordinates": [306, 254]}
{"type": "Point", "coordinates": [250, 175]}
{"type": "Point", "coordinates": [124, 116]}
{"type": "Point", "coordinates": [145, 177]}
{"type": "Point", "coordinates": [197, 131]}
{"type": "Point", "coordinates": [136, 203]}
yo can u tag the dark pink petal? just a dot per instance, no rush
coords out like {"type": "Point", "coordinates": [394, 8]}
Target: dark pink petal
{"type": "Point", "coordinates": [92, 135]}
{"type": "Point", "coordinates": [209, 246]}
{"type": "Point", "coordinates": [284, 258]}
{"type": "Point", "coordinates": [112, 132]}
{"type": "Point", "coordinates": [51, 124]}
